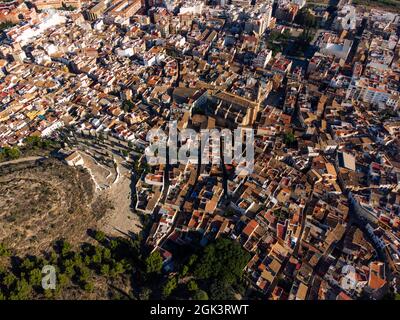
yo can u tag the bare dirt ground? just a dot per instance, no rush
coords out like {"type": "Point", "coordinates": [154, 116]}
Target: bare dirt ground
{"type": "Point", "coordinates": [42, 202]}
{"type": "Point", "coordinates": [113, 182]}
{"type": "Point", "coordinates": [121, 220]}
{"type": "Point", "coordinates": [103, 175]}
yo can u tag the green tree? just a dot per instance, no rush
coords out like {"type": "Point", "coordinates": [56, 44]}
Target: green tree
{"type": "Point", "coordinates": [65, 248]}
{"type": "Point", "coordinates": [145, 293]}
{"type": "Point", "coordinates": [184, 271]}
{"type": "Point", "coordinates": [88, 287]}
{"type": "Point", "coordinates": [306, 19]}
{"type": "Point", "coordinates": [100, 236]}
{"type": "Point", "coordinates": [154, 263]}
{"type": "Point", "coordinates": [192, 259]}
{"type": "Point", "coordinates": [35, 142]}
{"type": "Point", "coordinates": [192, 285]}
{"type": "Point", "coordinates": [96, 259]}
{"type": "Point", "coordinates": [4, 252]}
{"type": "Point", "coordinates": [125, 153]}
{"type": "Point", "coordinates": [22, 290]}
{"type": "Point", "coordinates": [106, 253]}
{"type": "Point", "coordinates": [87, 260]}
{"type": "Point", "coordinates": [12, 153]}
{"type": "Point", "coordinates": [84, 274]}
{"type": "Point", "coordinates": [105, 269]}
{"type": "Point", "coordinates": [113, 245]}
{"type": "Point", "coordinates": [53, 258]}
{"type": "Point", "coordinates": [200, 295]}
{"type": "Point", "coordinates": [289, 139]}
{"type": "Point", "coordinates": [35, 277]}
{"type": "Point", "coordinates": [9, 280]}
{"type": "Point", "coordinates": [49, 294]}
{"type": "Point", "coordinates": [27, 264]}
{"type": "Point", "coordinates": [70, 271]}
{"type": "Point", "coordinates": [6, 25]}
{"type": "Point", "coordinates": [127, 105]}
{"type": "Point", "coordinates": [224, 260]}
{"type": "Point", "coordinates": [169, 286]}
{"type": "Point", "coordinates": [117, 269]}
{"type": "Point", "coordinates": [220, 290]}
{"type": "Point", "coordinates": [63, 280]}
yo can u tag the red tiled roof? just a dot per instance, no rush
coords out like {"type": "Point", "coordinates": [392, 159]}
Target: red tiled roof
{"type": "Point", "coordinates": [251, 226]}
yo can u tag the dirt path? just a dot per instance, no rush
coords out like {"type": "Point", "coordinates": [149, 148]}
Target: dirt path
{"type": "Point", "coordinates": [121, 219]}
{"type": "Point", "coordinates": [32, 158]}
